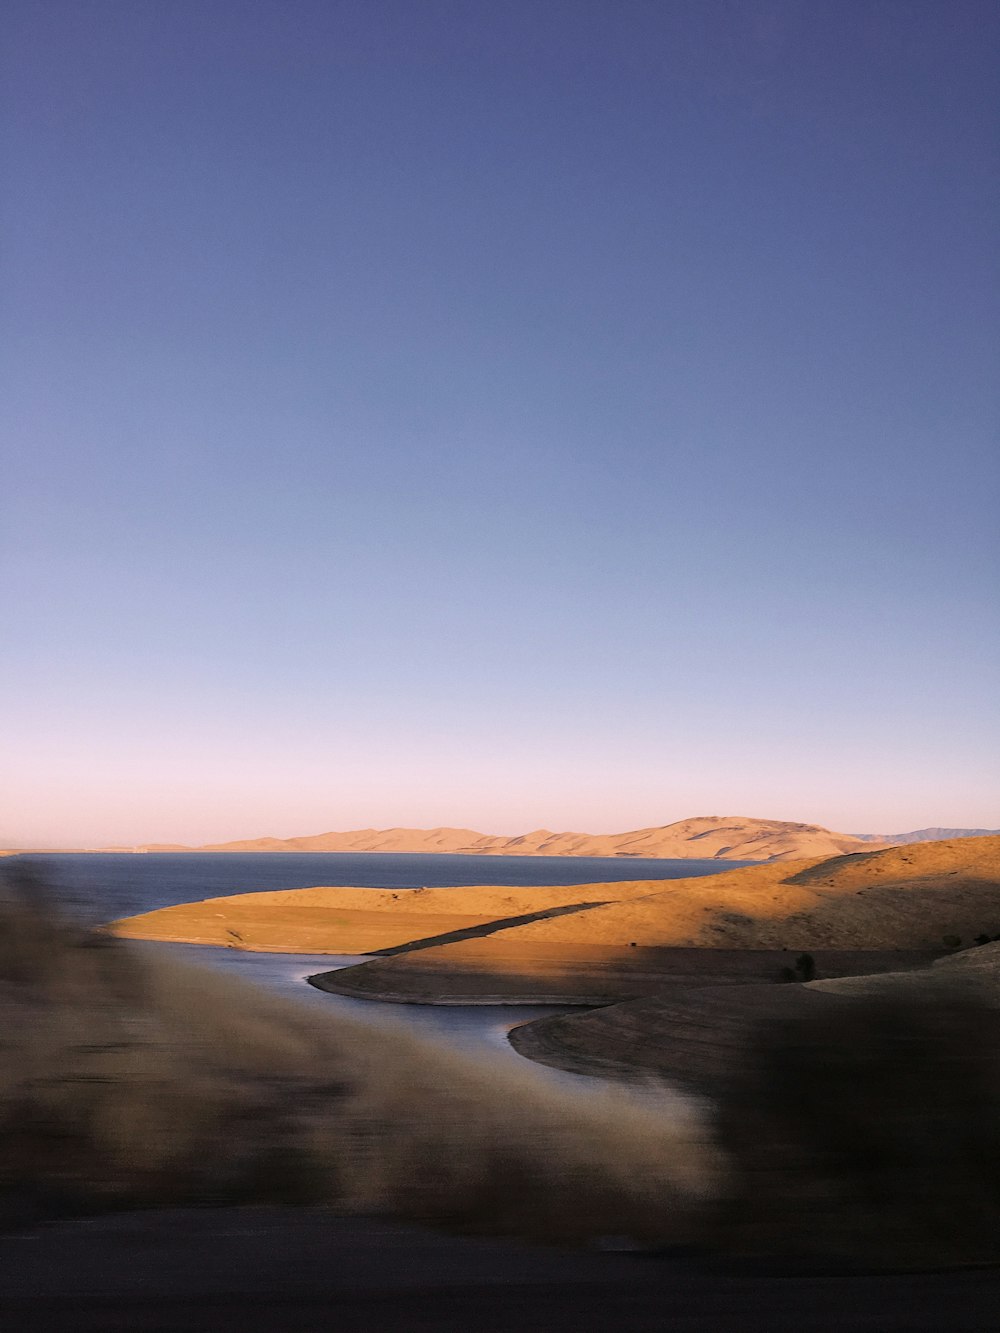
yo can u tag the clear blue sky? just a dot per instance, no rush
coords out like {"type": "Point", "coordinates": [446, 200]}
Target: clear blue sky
{"type": "Point", "coordinates": [502, 414]}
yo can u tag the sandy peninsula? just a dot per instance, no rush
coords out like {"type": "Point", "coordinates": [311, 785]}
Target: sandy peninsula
{"type": "Point", "coordinates": [361, 921]}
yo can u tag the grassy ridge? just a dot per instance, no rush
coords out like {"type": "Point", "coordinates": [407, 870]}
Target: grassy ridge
{"type": "Point", "coordinates": [349, 920]}
{"type": "Point", "coordinates": [900, 898]}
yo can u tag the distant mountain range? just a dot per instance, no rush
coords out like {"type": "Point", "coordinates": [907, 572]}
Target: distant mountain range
{"type": "Point", "coordinates": [925, 835]}
{"type": "Point", "coordinates": [710, 837]}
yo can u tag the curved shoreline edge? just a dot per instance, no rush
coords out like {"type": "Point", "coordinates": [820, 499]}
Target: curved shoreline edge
{"type": "Point", "coordinates": [533, 1042]}
{"type": "Point", "coordinates": [325, 981]}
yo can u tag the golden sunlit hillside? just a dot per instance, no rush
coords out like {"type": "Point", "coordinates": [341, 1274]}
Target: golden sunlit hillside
{"type": "Point", "coordinates": [873, 912]}
{"type": "Point", "coordinates": [899, 898]}
{"type": "Point", "coordinates": [349, 920]}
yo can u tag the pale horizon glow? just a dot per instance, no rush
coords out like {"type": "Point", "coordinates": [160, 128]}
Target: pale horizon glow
{"type": "Point", "coordinates": [576, 415]}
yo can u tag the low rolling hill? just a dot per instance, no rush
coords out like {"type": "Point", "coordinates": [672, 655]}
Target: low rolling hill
{"type": "Point", "coordinates": [730, 838]}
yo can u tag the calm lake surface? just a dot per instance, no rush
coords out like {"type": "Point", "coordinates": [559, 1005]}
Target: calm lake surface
{"type": "Point", "coordinates": [101, 886]}
{"type": "Point", "coordinates": [98, 887]}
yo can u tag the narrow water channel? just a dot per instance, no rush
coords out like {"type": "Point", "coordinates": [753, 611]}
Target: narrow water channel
{"type": "Point", "coordinates": [478, 1030]}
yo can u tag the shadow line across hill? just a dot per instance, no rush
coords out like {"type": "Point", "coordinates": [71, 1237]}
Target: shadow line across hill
{"type": "Point", "coordinates": [478, 932]}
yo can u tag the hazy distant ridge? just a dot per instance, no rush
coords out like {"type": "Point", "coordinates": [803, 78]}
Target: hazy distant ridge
{"type": "Point", "coordinates": [728, 838]}
{"type": "Point", "coordinates": [925, 835]}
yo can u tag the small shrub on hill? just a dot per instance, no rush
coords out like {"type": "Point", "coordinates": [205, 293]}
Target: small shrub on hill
{"type": "Point", "coordinates": [804, 969]}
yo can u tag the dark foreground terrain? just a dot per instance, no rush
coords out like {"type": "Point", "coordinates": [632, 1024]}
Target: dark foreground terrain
{"type": "Point", "coordinates": [277, 1269]}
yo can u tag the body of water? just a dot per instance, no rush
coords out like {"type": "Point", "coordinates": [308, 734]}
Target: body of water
{"type": "Point", "coordinates": [98, 887]}
{"type": "Point", "coordinates": [102, 886]}
{"type": "Point", "coordinates": [477, 1030]}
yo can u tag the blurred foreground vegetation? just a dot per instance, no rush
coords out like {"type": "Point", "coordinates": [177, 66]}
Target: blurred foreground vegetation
{"type": "Point", "coordinates": [130, 1079]}
{"type": "Point", "coordinates": [868, 1129]}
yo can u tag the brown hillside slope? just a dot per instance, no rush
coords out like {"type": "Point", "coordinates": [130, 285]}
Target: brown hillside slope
{"type": "Point", "coordinates": [348, 920]}
{"type": "Point", "coordinates": [730, 838]}
{"type": "Point", "coordinates": [485, 971]}
{"type": "Point", "coordinates": [696, 1034]}
{"type": "Point", "coordinates": [361, 840]}
{"type": "Point", "coordinates": [899, 898]}
{"type": "Point", "coordinates": [692, 1037]}
{"type": "Point", "coordinates": [904, 899]}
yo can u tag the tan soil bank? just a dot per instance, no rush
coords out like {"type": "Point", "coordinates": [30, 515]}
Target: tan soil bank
{"type": "Point", "coordinates": [485, 971]}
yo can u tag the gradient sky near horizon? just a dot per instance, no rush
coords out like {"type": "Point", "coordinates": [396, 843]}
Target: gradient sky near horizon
{"type": "Point", "coordinates": [567, 413]}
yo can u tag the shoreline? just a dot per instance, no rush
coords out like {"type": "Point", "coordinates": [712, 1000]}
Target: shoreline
{"type": "Point", "coordinates": [538, 1047]}
{"type": "Point", "coordinates": [323, 981]}
{"type": "Point", "coordinates": [481, 971]}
